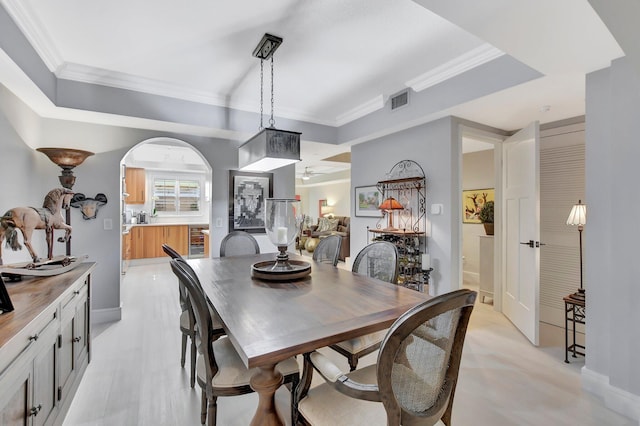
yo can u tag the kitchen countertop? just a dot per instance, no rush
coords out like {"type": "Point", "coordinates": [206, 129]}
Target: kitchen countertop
{"type": "Point", "coordinates": [127, 226]}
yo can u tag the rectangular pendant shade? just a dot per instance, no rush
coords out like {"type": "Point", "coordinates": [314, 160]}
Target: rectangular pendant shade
{"type": "Point", "coordinates": [268, 150]}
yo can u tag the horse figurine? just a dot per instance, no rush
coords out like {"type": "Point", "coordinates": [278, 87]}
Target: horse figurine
{"type": "Point", "coordinates": [26, 219]}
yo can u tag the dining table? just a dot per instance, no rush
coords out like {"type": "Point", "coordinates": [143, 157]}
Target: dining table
{"type": "Point", "coordinates": [269, 321]}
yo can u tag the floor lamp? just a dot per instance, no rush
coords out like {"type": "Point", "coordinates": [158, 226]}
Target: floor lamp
{"type": "Point", "coordinates": [67, 159]}
{"type": "Point", "coordinates": [578, 216]}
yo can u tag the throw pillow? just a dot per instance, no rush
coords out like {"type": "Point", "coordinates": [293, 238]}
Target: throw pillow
{"type": "Point", "coordinates": [333, 224]}
{"type": "Point", "coordinates": [323, 224]}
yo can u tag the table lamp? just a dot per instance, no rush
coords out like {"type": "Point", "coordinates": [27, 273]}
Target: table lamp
{"type": "Point", "coordinates": [389, 205]}
{"type": "Point", "coordinates": [578, 216]}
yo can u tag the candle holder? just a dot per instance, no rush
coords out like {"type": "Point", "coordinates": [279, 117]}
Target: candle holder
{"type": "Point", "coordinates": [282, 227]}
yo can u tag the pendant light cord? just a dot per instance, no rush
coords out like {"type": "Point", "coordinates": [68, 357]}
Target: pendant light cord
{"type": "Point", "coordinates": [272, 122]}
{"type": "Point", "coordinates": [261, 85]}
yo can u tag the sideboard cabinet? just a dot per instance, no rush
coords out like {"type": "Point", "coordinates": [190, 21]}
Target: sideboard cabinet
{"type": "Point", "coordinates": [45, 346]}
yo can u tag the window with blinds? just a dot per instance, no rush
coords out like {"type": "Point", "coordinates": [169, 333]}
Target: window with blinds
{"type": "Point", "coordinates": [176, 196]}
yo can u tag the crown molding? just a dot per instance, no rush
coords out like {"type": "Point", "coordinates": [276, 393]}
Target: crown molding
{"type": "Point", "coordinates": [456, 66]}
{"type": "Point", "coordinates": [34, 31]}
{"type": "Point", "coordinates": [361, 110]}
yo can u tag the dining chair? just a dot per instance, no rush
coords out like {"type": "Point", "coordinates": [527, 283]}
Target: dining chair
{"type": "Point", "coordinates": [237, 243]}
{"type": "Point", "coordinates": [413, 381]}
{"type": "Point", "coordinates": [377, 260]}
{"type": "Point", "coordinates": [328, 250]}
{"type": "Point", "coordinates": [187, 319]}
{"type": "Point", "coordinates": [220, 370]}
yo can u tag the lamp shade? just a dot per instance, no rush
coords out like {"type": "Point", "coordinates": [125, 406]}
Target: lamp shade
{"type": "Point", "coordinates": [578, 214]}
{"type": "Point", "coordinates": [390, 204]}
{"type": "Point", "coordinates": [268, 150]}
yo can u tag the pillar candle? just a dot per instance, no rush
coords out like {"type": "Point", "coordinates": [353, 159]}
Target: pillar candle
{"type": "Point", "coordinates": [281, 236]}
{"type": "Point", "coordinates": [426, 261]}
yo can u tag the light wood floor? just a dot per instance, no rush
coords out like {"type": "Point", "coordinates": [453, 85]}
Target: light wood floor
{"type": "Point", "coordinates": [135, 377]}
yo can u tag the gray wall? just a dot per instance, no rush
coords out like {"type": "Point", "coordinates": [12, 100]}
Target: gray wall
{"type": "Point", "coordinates": [28, 175]}
{"type": "Point", "coordinates": [611, 237]}
{"type": "Point", "coordinates": [432, 146]}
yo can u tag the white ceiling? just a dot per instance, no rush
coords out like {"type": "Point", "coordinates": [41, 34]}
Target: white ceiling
{"type": "Point", "coordinates": [339, 60]}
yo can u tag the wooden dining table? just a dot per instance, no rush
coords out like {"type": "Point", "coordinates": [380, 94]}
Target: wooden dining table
{"type": "Point", "coordinates": [269, 321]}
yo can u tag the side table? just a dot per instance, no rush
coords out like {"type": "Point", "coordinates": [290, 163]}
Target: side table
{"type": "Point", "coordinates": [574, 312]}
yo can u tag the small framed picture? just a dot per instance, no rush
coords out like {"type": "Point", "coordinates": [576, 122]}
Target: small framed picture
{"type": "Point", "coordinates": [368, 198]}
{"type": "Point", "coordinates": [472, 202]}
{"type": "Point", "coordinates": [5, 301]}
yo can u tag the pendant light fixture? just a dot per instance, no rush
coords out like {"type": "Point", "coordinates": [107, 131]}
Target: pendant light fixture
{"type": "Point", "coordinates": [270, 148]}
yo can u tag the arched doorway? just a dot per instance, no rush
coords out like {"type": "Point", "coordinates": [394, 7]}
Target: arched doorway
{"type": "Point", "coordinates": [165, 198]}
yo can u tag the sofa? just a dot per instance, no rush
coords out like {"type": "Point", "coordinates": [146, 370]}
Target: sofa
{"type": "Point", "coordinates": [336, 225]}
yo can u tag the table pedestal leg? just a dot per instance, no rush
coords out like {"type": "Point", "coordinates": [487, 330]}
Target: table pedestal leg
{"type": "Point", "coordinates": [265, 382]}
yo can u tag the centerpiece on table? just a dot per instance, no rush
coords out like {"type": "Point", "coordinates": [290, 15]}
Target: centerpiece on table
{"type": "Point", "coordinates": [281, 224]}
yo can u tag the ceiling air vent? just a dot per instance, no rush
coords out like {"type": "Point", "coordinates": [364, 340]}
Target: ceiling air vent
{"type": "Point", "coordinates": [399, 100]}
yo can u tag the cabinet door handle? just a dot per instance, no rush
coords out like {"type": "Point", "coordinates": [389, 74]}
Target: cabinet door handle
{"type": "Point", "coordinates": [76, 292]}
{"type": "Point", "coordinates": [77, 339]}
{"type": "Point", "coordinates": [530, 243]}
{"type": "Point", "coordinates": [35, 410]}
{"type": "Point", "coordinates": [33, 338]}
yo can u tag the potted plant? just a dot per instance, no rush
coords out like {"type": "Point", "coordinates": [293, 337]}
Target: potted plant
{"type": "Point", "coordinates": [486, 217]}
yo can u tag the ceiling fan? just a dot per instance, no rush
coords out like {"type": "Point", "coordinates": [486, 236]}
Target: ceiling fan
{"type": "Point", "coordinates": [309, 174]}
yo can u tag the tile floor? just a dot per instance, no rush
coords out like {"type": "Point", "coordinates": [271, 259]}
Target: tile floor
{"type": "Point", "coordinates": [135, 376]}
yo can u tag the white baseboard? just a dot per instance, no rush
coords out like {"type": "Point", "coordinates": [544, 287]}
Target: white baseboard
{"type": "Point", "coordinates": [614, 398]}
{"type": "Point", "coordinates": [99, 316]}
{"type": "Point", "coordinates": [471, 278]}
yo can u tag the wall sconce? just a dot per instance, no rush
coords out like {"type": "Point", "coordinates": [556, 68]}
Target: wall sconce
{"type": "Point", "coordinates": [271, 148]}
{"type": "Point", "coordinates": [326, 211]}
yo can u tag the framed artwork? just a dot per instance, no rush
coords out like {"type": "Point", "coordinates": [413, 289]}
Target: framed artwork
{"type": "Point", "coordinates": [472, 202]}
{"type": "Point", "coordinates": [247, 195]}
{"type": "Point", "coordinates": [5, 301]}
{"type": "Point", "coordinates": [368, 198]}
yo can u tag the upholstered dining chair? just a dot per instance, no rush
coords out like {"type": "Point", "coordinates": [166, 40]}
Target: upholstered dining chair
{"type": "Point", "coordinates": [187, 320]}
{"type": "Point", "coordinates": [328, 250]}
{"type": "Point", "coordinates": [237, 243]}
{"type": "Point", "coordinates": [413, 381]}
{"type": "Point", "coordinates": [377, 260]}
{"type": "Point", "coordinates": [220, 370]}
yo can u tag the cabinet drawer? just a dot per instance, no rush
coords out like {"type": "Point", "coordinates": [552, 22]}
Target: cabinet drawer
{"type": "Point", "coordinates": [28, 337]}
{"type": "Point", "coordinates": [73, 296]}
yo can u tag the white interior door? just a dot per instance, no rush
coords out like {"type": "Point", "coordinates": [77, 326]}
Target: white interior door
{"type": "Point", "coordinates": [521, 230]}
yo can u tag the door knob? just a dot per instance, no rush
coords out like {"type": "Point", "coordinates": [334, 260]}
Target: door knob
{"type": "Point", "coordinates": [530, 243]}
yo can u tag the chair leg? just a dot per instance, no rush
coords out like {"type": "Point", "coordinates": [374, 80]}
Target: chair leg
{"type": "Point", "coordinates": [212, 410]}
{"type": "Point", "coordinates": [184, 349]}
{"type": "Point", "coordinates": [193, 360]}
{"type": "Point", "coordinates": [203, 407]}
{"type": "Point", "coordinates": [353, 362]}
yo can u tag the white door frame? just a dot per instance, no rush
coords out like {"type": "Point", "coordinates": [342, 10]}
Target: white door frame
{"type": "Point", "coordinates": [496, 139]}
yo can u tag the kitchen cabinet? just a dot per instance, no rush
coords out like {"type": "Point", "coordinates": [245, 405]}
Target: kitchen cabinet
{"type": "Point", "coordinates": [36, 383]}
{"type": "Point", "coordinates": [137, 242]}
{"type": "Point", "coordinates": [146, 241]}
{"type": "Point", "coordinates": [126, 246]}
{"type": "Point", "coordinates": [136, 184]}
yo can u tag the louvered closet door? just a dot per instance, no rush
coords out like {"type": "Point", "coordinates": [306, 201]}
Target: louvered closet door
{"type": "Point", "coordinates": [562, 184]}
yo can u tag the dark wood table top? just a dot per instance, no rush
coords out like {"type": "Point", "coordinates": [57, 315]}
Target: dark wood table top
{"type": "Point", "coordinates": [270, 321]}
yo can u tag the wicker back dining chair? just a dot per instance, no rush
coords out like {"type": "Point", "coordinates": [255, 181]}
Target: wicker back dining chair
{"type": "Point", "coordinates": [328, 250]}
{"type": "Point", "coordinates": [414, 378]}
{"type": "Point", "coordinates": [237, 243]}
{"type": "Point", "coordinates": [377, 260]}
{"type": "Point", "coordinates": [220, 370]}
